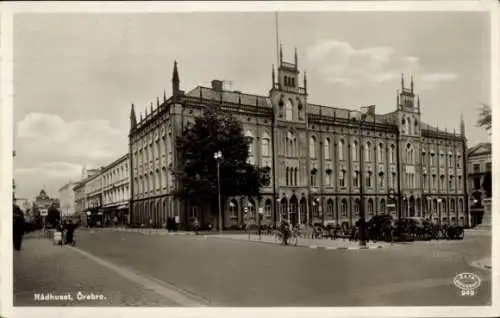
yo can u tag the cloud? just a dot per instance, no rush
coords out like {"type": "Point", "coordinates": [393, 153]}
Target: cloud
{"type": "Point", "coordinates": [341, 63]}
{"type": "Point", "coordinates": [50, 137]}
{"type": "Point", "coordinates": [56, 170]}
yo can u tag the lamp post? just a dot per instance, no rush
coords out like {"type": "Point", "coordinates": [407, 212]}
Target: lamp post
{"type": "Point", "coordinates": [278, 208]}
{"type": "Point", "coordinates": [439, 210]}
{"type": "Point", "coordinates": [362, 241]}
{"type": "Point", "coordinates": [218, 158]}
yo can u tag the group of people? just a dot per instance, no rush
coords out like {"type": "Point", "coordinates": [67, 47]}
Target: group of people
{"type": "Point", "coordinates": [67, 229]}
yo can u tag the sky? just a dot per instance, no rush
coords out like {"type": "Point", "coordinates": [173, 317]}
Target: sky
{"type": "Point", "coordinates": [76, 75]}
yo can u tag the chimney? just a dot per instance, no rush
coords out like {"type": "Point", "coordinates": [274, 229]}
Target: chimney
{"type": "Point", "coordinates": [217, 85]}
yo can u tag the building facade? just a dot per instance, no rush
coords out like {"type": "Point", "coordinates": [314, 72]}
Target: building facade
{"type": "Point", "coordinates": [67, 199]}
{"type": "Point", "coordinates": [115, 189]}
{"type": "Point", "coordinates": [479, 162]}
{"type": "Point", "coordinates": [312, 154]}
{"type": "Point", "coordinates": [44, 202]}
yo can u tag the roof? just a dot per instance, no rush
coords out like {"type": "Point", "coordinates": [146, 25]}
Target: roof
{"type": "Point", "coordinates": [482, 148]}
{"type": "Point", "coordinates": [114, 163]}
{"type": "Point", "coordinates": [230, 97]}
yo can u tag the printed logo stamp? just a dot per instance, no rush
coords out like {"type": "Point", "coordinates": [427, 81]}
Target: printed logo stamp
{"type": "Point", "coordinates": [468, 283]}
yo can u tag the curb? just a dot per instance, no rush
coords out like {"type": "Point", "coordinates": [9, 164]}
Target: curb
{"type": "Point", "coordinates": [326, 248]}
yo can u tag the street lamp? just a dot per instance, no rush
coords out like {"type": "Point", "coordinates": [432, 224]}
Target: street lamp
{"type": "Point", "coordinates": [439, 200]}
{"type": "Point", "coordinates": [218, 158]}
{"type": "Point", "coordinates": [362, 241]}
{"type": "Point", "coordinates": [278, 207]}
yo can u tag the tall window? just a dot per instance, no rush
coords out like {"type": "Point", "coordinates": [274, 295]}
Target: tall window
{"type": "Point", "coordinates": [382, 206]}
{"type": "Point", "coordinates": [434, 185]}
{"type": "Point", "coordinates": [368, 152]}
{"type": "Point", "coordinates": [251, 151]}
{"type": "Point", "coordinates": [381, 179]}
{"type": "Point", "coordinates": [355, 179]}
{"type": "Point", "coordinates": [356, 207]}
{"type": "Point", "coordinates": [392, 154]}
{"type": "Point", "coordinates": [341, 149]}
{"type": "Point", "coordinates": [354, 154]}
{"type": "Point", "coordinates": [459, 161]}
{"type": "Point", "coordinates": [295, 176]}
{"type": "Point", "coordinates": [433, 159]}
{"type": "Point", "coordinates": [267, 208]}
{"type": "Point", "coordinates": [393, 182]}
{"type": "Point", "coordinates": [369, 178]}
{"type": "Point", "coordinates": [265, 145]}
{"type": "Point", "coordinates": [459, 185]}
{"type": "Point", "coordinates": [423, 158]}
{"type": "Point", "coordinates": [452, 184]}
{"type": "Point", "coordinates": [287, 180]}
{"type": "Point", "coordinates": [328, 177]}
{"type": "Point", "coordinates": [327, 149]}
{"type": "Point", "coordinates": [313, 178]}
{"type": "Point", "coordinates": [329, 208]}
{"type": "Point", "coordinates": [370, 207]}
{"type": "Point", "coordinates": [380, 152]}
{"type": "Point", "coordinates": [233, 208]}
{"type": "Point", "coordinates": [288, 110]}
{"type": "Point", "coordinates": [424, 179]}
{"type": "Point", "coordinates": [343, 208]}
{"type": "Point", "coordinates": [342, 178]}
{"type": "Point", "coordinates": [312, 147]}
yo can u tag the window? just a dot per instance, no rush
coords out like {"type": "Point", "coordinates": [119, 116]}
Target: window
{"type": "Point", "coordinates": [459, 185]}
{"type": "Point", "coordinates": [458, 161]}
{"type": "Point", "coordinates": [382, 205]}
{"type": "Point", "coordinates": [287, 180]}
{"type": "Point", "coordinates": [329, 208]}
{"type": "Point", "coordinates": [342, 178]}
{"type": "Point", "coordinates": [265, 145]}
{"type": "Point", "coordinates": [327, 149]}
{"type": "Point", "coordinates": [251, 151]}
{"type": "Point", "coordinates": [424, 179]}
{"type": "Point", "coordinates": [313, 178]}
{"type": "Point", "coordinates": [476, 168]}
{"type": "Point", "coordinates": [433, 162]}
{"type": "Point", "coordinates": [381, 179]}
{"type": "Point", "coordinates": [328, 177]}
{"type": "Point", "coordinates": [288, 110]}
{"type": "Point", "coordinates": [368, 152]}
{"type": "Point", "coordinates": [354, 150]}
{"type": "Point", "coordinates": [393, 180]}
{"type": "Point", "coordinates": [343, 208]}
{"type": "Point", "coordinates": [301, 111]}
{"type": "Point", "coordinates": [295, 176]}
{"type": "Point", "coordinates": [380, 151]}
{"type": "Point", "coordinates": [434, 181]}
{"type": "Point", "coordinates": [441, 182]}
{"type": "Point", "coordinates": [488, 166]}
{"type": "Point", "coordinates": [369, 178]}
{"type": "Point", "coordinates": [441, 159]}
{"type": "Point", "coordinates": [355, 179]}
{"type": "Point", "coordinates": [341, 149]}
{"type": "Point", "coordinates": [423, 158]}
{"type": "Point", "coordinates": [312, 147]}
{"type": "Point", "coordinates": [370, 207]}
{"type": "Point", "coordinates": [266, 176]}
{"type": "Point", "coordinates": [267, 208]}
{"type": "Point", "coordinates": [451, 183]}
{"type": "Point", "coordinates": [356, 207]}
{"type": "Point", "coordinates": [392, 154]}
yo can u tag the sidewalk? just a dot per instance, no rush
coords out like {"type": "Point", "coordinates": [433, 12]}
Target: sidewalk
{"type": "Point", "coordinates": [327, 244]}
{"type": "Point", "coordinates": [144, 231]}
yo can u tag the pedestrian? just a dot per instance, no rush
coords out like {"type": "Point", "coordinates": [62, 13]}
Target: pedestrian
{"type": "Point", "coordinates": [210, 227]}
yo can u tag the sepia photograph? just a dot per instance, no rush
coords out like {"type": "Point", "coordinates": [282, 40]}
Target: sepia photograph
{"type": "Point", "coordinates": [252, 159]}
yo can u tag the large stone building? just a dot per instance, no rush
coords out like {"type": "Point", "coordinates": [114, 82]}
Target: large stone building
{"type": "Point", "coordinates": [44, 202]}
{"type": "Point", "coordinates": [312, 153]}
{"type": "Point", "coordinates": [67, 199]}
{"type": "Point", "coordinates": [479, 162]}
{"type": "Point", "coordinates": [115, 189]}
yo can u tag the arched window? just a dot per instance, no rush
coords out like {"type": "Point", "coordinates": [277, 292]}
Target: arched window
{"type": "Point", "coordinates": [312, 147]}
{"type": "Point", "coordinates": [354, 154]}
{"type": "Point", "coordinates": [267, 208]}
{"type": "Point", "coordinates": [382, 206]}
{"type": "Point", "coordinates": [368, 151]}
{"type": "Point", "coordinates": [280, 107]}
{"type": "Point", "coordinates": [355, 179]}
{"type": "Point", "coordinates": [251, 150]}
{"type": "Point", "coordinates": [288, 110]}
{"type": "Point", "coordinates": [460, 205]}
{"type": "Point", "coordinates": [265, 145]}
{"type": "Point", "coordinates": [329, 208]}
{"type": "Point", "coordinates": [392, 154]}
{"type": "Point", "coordinates": [343, 208]}
{"type": "Point", "coordinates": [381, 179]}
{"type": "Point", "coordinates": [327, 149]}
{"type": "Point", "coordinates": [452, 205]}
{"type": "Point", "coordinates": [342, 178]}
{"type": "Point", "coordinates": [356, 207]}
{"type": "Point", "coordinates": [301, 110]}
{"type": "Point", "coordinates": [370, 206]}
{"type": "Point", "coordinates": [341, 149]}
{"type": "Point", "coordinates": [380, 152]}
{"type": "Point", "coordinates": [233, 208]}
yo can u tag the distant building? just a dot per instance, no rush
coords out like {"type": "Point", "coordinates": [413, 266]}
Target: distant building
{"type": "Point", "coordinates": [67, 199]}
{"type": "Point", "coordinates": [479, 165]}
{"type": "Point", "coordinates": [115, 189]}
{"type": "Point", "coordinates": [43, 201]}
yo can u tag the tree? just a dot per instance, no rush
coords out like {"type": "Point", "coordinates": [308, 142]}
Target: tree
{"type": "Point", "coordinates": [484, 120]}
{"type": "Point", "coordinates": [53, 216]}
{"type": "Point", "coordinates": [197, 171]}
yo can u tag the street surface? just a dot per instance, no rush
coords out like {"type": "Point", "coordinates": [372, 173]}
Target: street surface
{"type": "Point", "coordinates": [183, 270]}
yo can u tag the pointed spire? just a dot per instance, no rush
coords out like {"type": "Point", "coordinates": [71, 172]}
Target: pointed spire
{"type": "Point", "coordinates": [402, 82]}
{"type": "Point", "coordinates": [274, 76]}
{"type": "Point", "coordinates": [133, 119]}
{"type": "Point", "coordinates": [296, 59]}
{"type": "Point", "coordinates": [462, 125]}
{"type": "Point", "coordinates": [175, 80]}
{"type": "Point", "coordinates": [412, 84]}
{"type": "Point", "coordinates": [140, 116]}
{"type": "Point", "coordinates": [397, 96]}
{"type": "Point", "coordinates": [151, 106]}
{"type": "Point", "coordinates": [146, 111]}
{"type": "Point", "coordinates": [164, 96]}
{"type": "Point", "coordinates": [305, 81]}
{"type": "Point", "coordinates": [281, 53]}
{"type": "Point", "coordinates": [157, 101]}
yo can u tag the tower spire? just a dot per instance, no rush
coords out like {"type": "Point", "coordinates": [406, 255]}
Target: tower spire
{"type": "Point", "coordinates": [133, 119]}
{"type": "Point", "coordinates": [402, 82]}
{"type": "Point", "coordinates": [276, 28]}
{"type": "Point", "coordinates": [281, 54]}
{"type": "Point", "coordinates": [151, 106]}
{"type": "Point", "coordinates": [462, 126]}
{"type": "Point", "coordinates": [274, 76]}
{"type": "Point", "coordinates": [175, 80]}
{"type": "Point", "coordinates": [164, 96]}
{"type": "Point", "coordinates": [305, 81]}
{"type": "Point", "coordinates": [411, 83]}
{"type": "Point", "coordinates": [157, 101]}
{"type": "Point", "coordinates": [397, 96]}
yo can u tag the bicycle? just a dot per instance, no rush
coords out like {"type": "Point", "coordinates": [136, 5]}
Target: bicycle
{"type": "Point", "coordinates": [292, 239]}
